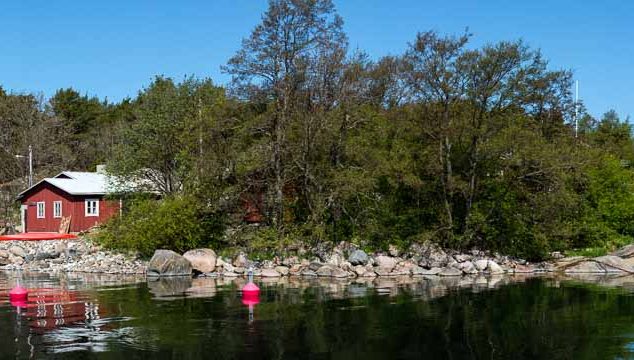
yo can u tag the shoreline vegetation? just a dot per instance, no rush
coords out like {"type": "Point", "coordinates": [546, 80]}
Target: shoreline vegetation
{"type": "Point", "coordinates": [446, 146]}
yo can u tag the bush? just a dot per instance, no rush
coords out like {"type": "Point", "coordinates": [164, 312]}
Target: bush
{"type": "Point", "coordinates": [608, 214]}
{"type": "Point", "coordinates": [264, 242]}
{"type": "Point", "coordinates": [178, 224]}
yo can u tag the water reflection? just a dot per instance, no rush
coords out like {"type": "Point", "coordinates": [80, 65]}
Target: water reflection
{"type": "Point", "coordinates": [624, 282]}
{"type": "Point", "coordinates": [169, 288]}
{"type": "Point", "coordinates": [62, 311]}
{"type": "Point", "coordinates": [93, 336]}
{"type": "Point", "coordinates": [51, 304]}
{"type": "Point", "coordinates": [423, 288]}
{"type": "Point", "coordinates": [469, 317]}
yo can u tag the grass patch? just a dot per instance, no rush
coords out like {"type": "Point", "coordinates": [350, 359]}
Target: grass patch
{"type": "Point", "coordinates": [588, 252]}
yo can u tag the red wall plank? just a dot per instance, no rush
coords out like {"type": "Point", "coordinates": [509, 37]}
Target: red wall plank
{"type": "Point", "coordinates": [73, 206]}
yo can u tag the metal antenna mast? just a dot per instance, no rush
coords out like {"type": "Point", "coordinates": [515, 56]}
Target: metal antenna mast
{"type": "Point", "coordinates": [576, 108]}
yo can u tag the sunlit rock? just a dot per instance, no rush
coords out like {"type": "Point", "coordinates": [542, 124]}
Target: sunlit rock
{"type": "Point", "coordinates": [614, 264]}
{"type": "Point", "coordinates": [467, 267]}
{"type": "Point", "coordinates": [386, 263]}
{"type": "Point", "coordinates": [331, 271]}
{"type": "Point", "coordinates": [270, 273]}
{"type": "Point", "coordinates": [585, 267]}
{"type": "Point", "coordinates": [241, 261]}
{"type": "Point", "coordinates": [335, 259]}
{"type": "Point", "coordinates": [18, 251]}
{"type": "Point", "coordinates": [393, 250]}
{"type": "Point", "coordinates": [419, 271]}
{"type": "Point", "coordinates": [494, 268]}
{"type": "Point", "coordinates": [625, 252]}
{"type": "Point", "coordinates": [450, 271]}
{"type": "Point", "coordinates": [309, 273]}
{"type": "Point", "coordinates": [202, 260]}
{"type": "Point", "coordinates": [282, 270]}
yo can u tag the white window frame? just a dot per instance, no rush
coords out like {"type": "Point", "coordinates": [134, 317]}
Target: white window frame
{"type": "Point", "coordinates": [57, 214]}
{"type": "Point", "coordinates": [41, 215]}
{"type": "Point", "coordinates": [89, 210]}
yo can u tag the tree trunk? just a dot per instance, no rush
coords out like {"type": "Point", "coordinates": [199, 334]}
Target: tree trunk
{"type": "Point", "coordinates": [308, 145]}
{"type": "Point", "coordinates": [338, 152]}
{"type": "Point", "coordinates": [277, 176]}
{"type": "Point", "coordinates": [278, 171]}
{"type": "Point", "coordinates": [445, 181]}
{"type": "Point", "coordinates": [473, 165]}
{"type": "Point", "coordinates": [447, 177]}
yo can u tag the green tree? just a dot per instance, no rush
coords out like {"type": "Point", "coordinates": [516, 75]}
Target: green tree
{"type": "Point", "coordinates": [274, 66]}
{"type": "Point", "coordinates": [164, 146]}
{"type": "Point", "coordinates": [85, 127]}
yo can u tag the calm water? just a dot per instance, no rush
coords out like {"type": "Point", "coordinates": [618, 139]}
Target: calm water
{"type": "Point", "coordinates": [74, 317]}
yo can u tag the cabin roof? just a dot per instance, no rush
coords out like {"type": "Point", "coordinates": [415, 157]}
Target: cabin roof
{"type": "Point", "coordinates": [81, 183]}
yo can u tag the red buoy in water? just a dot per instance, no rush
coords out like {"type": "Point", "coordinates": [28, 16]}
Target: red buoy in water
{"type": "Point", "coordinates": [18, 294]}
{"type": "Point", "coordinates": [19, 303]}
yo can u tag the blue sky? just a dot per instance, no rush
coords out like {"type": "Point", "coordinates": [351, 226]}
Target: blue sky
{"type": "Point", "coordinates": [114, 48]}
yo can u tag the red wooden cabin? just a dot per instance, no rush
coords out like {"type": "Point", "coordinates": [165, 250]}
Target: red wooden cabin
{"type": "Point", "coordinates": [80, 195]}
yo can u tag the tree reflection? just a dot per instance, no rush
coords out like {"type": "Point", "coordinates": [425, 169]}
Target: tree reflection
{"type": "Point", "coordinates": [457, 318]}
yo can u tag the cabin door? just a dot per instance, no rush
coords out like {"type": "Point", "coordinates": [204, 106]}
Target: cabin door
{"type": "Point", "coordinates": [23, 212]}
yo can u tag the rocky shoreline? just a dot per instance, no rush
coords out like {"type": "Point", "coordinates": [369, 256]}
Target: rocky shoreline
{"type": "Point", "coordinates": [70, 256]}
{"type": "Point", "coordinates": [343, 261]}
{"type": "Point", "coordinates": [347, 261]}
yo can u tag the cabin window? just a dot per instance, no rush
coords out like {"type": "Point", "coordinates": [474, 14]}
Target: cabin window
{"type": "Point", "coordinates": [92, 207]}
{"type": "Point", "coordinates": [57, 209]}
{"type": "Point", "coordinates": [41, 210]}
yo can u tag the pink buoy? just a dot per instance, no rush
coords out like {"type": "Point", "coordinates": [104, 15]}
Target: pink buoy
{"type": "Point", "coordinates": [250, 295]}
{"type": "Point", "coordinates": [250, 289]}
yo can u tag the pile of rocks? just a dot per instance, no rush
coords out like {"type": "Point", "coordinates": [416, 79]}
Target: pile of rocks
{"type": "Point", "coordinates": [344, 261]}
{"type": "Point", "coordinates": [66, 256]}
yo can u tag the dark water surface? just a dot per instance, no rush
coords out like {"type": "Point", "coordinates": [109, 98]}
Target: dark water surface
{"type": "Point", "coordinates": [83, 316]}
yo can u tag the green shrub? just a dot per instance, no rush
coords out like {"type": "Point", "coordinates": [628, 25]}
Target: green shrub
{"type": "Point", "coordinates": [179, 224]}
{"type": "Point", "coordinates": [263, 242]}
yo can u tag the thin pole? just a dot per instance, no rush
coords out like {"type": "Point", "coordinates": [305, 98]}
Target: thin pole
{"type": "Point", "coordinates": [576, 107]}
{"type": "Point", "coordinates": [200, 140]}
{"type": "Point", "coordinates": [30, 165]}
{"type": "Point", "coordinates": [200, 128]}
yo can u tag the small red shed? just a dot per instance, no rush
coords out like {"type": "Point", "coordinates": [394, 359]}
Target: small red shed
{"type": "Point", "coordinates": [80, 195]}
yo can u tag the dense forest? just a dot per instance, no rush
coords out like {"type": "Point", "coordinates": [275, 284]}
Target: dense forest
{"type": "Point", "coordinates": [313, 143]}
